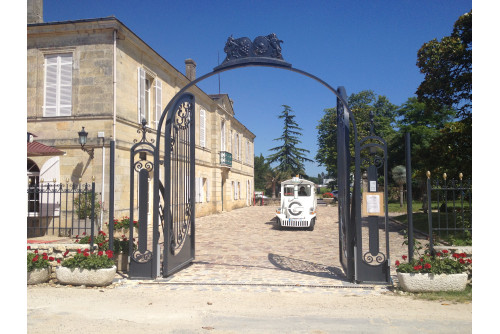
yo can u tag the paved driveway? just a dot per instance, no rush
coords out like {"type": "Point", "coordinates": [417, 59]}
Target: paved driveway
{"type": "Point", "coordinates": [244, 249]}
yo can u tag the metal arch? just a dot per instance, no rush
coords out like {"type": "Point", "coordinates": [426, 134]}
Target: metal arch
{"type": "Point", "coordinates": [353, 218]}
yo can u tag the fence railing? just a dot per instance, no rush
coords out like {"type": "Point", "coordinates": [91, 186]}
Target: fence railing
{"type": "Point", "coordinates": [449, 208]}
{"type": "Point", "coordinates": [62, 210]}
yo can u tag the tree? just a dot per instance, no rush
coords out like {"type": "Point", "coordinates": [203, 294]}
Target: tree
{"type": "Point", "coordinates": [399, 176]}
{"type": "Point", "coordinates": [289, 157]}
{"type": "Point", "coordinates": [273, 177]}
{"type": "Point", "coordinates": [261, 168]}
{"type": "Point", "coordinates": [361, 104]}
{"type": "Point", "coordinates": [447, 66]}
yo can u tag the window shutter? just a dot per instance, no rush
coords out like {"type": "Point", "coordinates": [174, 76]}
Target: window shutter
{"type": "Point", "coordinates": [223, 136]}
{"type": "Point", "coordinates": [202, 127]}
{"type": "Point", "coordinates": [50, 104]}
{"type": "Point", "coordinates": [208, 190]}
{"type": "Point", "coordinates": [65, 84]}
{"type": "Point", "coordinates": [239, 148]}
{"type": "Point", "coordinates": [158, 110]}
{"type": "Point", "coordinates": [197, 189]}
{"type": "Point", "coordinates": [141, 86]}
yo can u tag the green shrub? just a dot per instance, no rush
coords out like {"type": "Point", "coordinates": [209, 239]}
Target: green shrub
{"type": "Point", "coordinates": [35, 261]}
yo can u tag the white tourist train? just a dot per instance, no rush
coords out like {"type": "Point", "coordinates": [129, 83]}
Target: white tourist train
{"type": "Point", "coordinates": [298, 204]}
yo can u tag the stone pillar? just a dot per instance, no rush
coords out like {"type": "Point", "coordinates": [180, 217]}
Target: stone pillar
{"type": "Point", "coordinates": [190, 69]}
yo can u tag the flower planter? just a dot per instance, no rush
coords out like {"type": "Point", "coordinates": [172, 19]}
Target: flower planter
{"type": "Point", "coordinates": [121, 261]}
{"type": "Point", "coordinates": [414, 282]}
{"type": "Point", "coordinates": [328, 200]}
{"type": "Point", "coordinates": [37, 276]}
{"type": "Point", "coordinates": [77, 276]}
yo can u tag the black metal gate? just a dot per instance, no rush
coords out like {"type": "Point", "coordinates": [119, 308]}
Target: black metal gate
{"type": "Point", "coordinates": [177, 214]}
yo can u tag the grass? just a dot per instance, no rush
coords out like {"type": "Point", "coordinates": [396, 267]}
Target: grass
{"type": "Point", "coordinates": [445, 296]}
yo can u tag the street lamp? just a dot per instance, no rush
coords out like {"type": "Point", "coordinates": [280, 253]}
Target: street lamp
{"type": "Point", "coordinates": [82, 136]}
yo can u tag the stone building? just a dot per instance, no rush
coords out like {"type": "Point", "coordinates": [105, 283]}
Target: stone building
{"type": "Point", "coordinates": [98, 74]}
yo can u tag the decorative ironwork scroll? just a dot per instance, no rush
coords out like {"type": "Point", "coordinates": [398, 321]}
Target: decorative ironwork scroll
{"type": "Point", "coordinates": [178, 194]}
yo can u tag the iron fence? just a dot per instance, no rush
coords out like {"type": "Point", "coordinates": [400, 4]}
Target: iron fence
{"type": "Point", "coordinates": [449, 208]}
{"type": "Point", "coordinates": [62, 210]}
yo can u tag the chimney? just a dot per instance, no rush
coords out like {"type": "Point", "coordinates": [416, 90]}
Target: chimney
{"type": "Point", "coordinates": [35, 11]}
{"type": "Point", "coordinates": [190, 69]}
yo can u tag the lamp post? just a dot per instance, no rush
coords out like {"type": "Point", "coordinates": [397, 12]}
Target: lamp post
{"type": "Point", "coordinates": [82, 136]}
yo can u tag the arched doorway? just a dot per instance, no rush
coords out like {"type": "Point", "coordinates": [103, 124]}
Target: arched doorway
{"type": "Point", "coordinates": [175, 201]}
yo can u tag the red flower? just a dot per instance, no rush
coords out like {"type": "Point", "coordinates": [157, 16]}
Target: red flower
{"type": "Point", "coordinates": [79, 251]}
{"type": "Point", "coordinates": [100, 244]}
{"type": "Point", "coordinates": [66, 253]}
{"type": "Point", "coordinates": [445, 251]}
{"type": "Point", "coordinates": [51, 258]}
{"type": "Point", "coordinates": [35, 259]}
{"type": "Point", "coordinates": [99, 253]}
{"type": "Point", "coordinates": [83, 233]}
{"type": "Point", "coordinates": [463, 255]}
{"type": "Point", "coordinates": [123, 235]}
{"type": "Point", "coordinates": [58, 260]}
{"type": "Point", "coordinates": [36, 251]}
{"type": "Point", "coordinates": [29, 247]}
{"type": "Point", "coordinates": [456, 256]}
{"type": "Point", "coordinates": [469, 261]}
{"type": "Point", "coordinates": [462, 261]}
{"type": "Point", "coordinates": [397, 263]}
{"type": "Point", "coordinates": [77, 236]}
{"type": "Point", "coordinates": [439, 254]}
{"type": "Point", "coordinates": [86, 250]}
{"type": "Point", "coordinates": [86, 254]}
{"type": "Point", "coordinates": [405, 257]}
{"type": "Point", "coordinates": [427, 266]}
{"type": "Point", "coordinates": [417, 267]}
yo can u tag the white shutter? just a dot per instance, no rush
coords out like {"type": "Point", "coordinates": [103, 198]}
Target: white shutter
{"type": "Point", "coordinates": [141, 86]}
{"type": "Point", "coordinates": [65, 84]}
{"type": "Point", "coordinates": [158, 110]}
{"type": "Point", "coordinates": [223, 136]}
{"type": "Point", "coordinates": [202, 127]}
{"type": "Point", "coordinates": [208, 190]}
{"type": "Point", "coordinates": [197, 189]}
{"type": "Point", "coordinates": [240, 156]}
{"type": "Point", "coordinates": [50, 103]}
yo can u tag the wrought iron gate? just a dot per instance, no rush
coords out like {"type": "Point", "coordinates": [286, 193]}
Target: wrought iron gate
{"type": "Point", "coordinates": [177, 214]}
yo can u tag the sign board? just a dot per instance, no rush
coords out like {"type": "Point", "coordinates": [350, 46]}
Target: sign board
{"type": "Point", "coordinates": [373, 204]}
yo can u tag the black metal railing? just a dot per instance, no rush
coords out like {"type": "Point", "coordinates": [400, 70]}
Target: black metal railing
{"type": "Point", "coordinates": [226, 159]}
{"type": "Point", "coordinates": [449, 209]}
{"type": "Point", "coordinates": [62, 210]}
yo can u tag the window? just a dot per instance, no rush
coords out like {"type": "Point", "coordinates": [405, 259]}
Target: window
{"type": "Point", "coordinates": [58, 85]}
{"type": "Point", "coordinates": [158, 102]}
{"type": "Point", "coordinates": [203, 128]}
{"type": "Point", "coordinates": [202, 190]}
{"type": "Point", "coordinates": [144, 95]}
{"type": "Point", "coordinates": [288, 190]}
{"type": "Point", "coordinates": [223, 135]}
{"type": "Point", "coordinates": [304, 190]}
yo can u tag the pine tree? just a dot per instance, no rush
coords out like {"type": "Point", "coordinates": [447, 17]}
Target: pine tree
{"type": "Point", "coordinates": [289, 157]}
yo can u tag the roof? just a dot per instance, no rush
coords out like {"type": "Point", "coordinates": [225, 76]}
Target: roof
{"type": "Point", "coordinates": [37, 149]}
{"type": "Point", "coordinates": [297, 180]}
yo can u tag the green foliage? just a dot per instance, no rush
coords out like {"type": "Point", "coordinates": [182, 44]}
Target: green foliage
{"type": "Point", "coordinates": [36, 261]}
{"type": "Point", "coordinates": [289, 156]}
{"type": "Point", "coordinates": [261, 169]}
{"type": "Point", "coordinates": [273, 179]}
{"type": "Point", "coordinates": [102, 242]}
{"type": "Point", "coordinates": [361, 104]}
{"type": "Point", "coordinates": [447, 66]}
{"type": "Point", "coordinates": [83, 205]}
{"type": "Point", "coordinates": [124, 223]}
{"type": "Point", "coordinates": [90, 260]}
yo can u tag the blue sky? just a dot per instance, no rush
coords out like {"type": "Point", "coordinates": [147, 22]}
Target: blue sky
{"type": "Point", "coordinates": [356, 44]}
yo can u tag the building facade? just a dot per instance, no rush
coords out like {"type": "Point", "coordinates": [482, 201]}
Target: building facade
{"type": "Point", "coordinates": [99, 75]}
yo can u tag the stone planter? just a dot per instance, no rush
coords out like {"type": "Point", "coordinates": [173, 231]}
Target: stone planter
{"type": "Point", "coordinates": [77, 276]}
{"type": "Point", "coordinates": [413, 282]}
{"type": "Point", "coordinates": [121, 261]}
{"type": "Point", "coordinates": [37, 276]}
{"type": "Point", "coordinates": [328, 200]}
